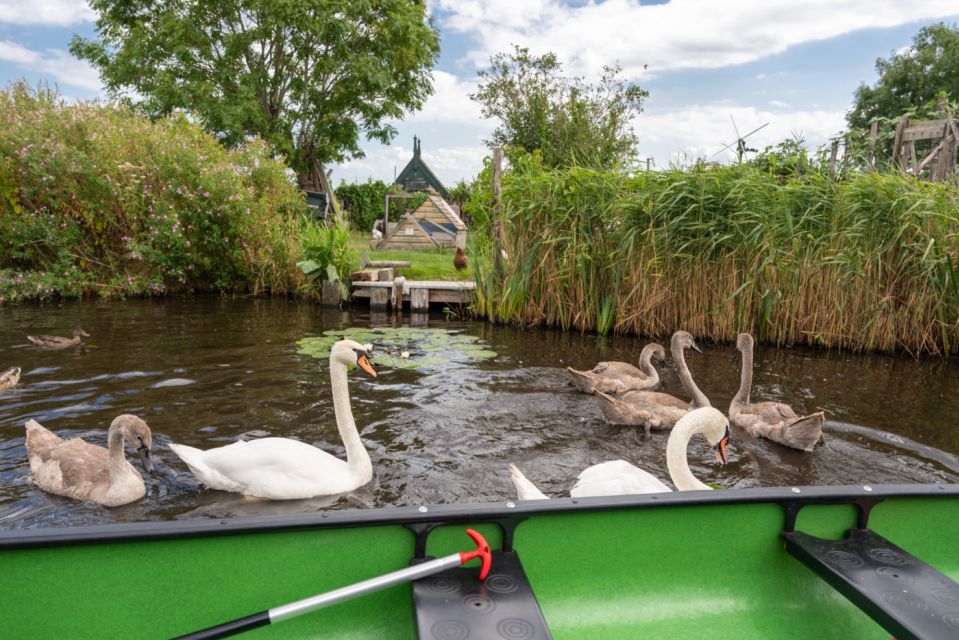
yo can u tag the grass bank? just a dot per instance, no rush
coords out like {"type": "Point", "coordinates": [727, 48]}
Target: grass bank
{"type": "Point", "coordinates": [427, 264]}
{"type": "Point", "coordinates": [97, 199]}
{"type": "Point", "coordinates": [866, 263]}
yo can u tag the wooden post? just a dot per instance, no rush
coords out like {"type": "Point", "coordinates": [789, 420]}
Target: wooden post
{"type": "Point", "coordinates": [419, 299]}
{"type": "Point", "coordinates": [873, 134]}
{"type": "Point", "coordinates": [330, 294]}
{"type": "Point", "coordinates": [379, 298]}
{"type": "Point", "coordinates": [799, 164]}
{"type": "Point", "coordinates": [497, 206]}
{"type": "Point", "coordinates": [845, 154]}
{"type": "Point", "coordinates": [898, 161]}
{"type": "Point", "coordinates": [832, 158]}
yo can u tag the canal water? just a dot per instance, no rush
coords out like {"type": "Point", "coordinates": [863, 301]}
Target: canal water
{"type": "Point", "coordinates": [443, 423]}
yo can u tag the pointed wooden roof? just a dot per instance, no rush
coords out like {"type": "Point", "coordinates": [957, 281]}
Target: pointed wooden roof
{"type": "Point", "coordinates": [438, 211]}
{"type": "Point", "coordinates": [416, 176]}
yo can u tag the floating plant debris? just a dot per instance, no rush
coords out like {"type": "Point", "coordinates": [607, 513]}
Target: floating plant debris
{"type": "Point", "coordinates": [404, 348]}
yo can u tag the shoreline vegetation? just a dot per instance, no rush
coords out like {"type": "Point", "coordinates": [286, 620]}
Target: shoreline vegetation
{"type": "Point", "coordinates": [867, 262]}
{"type": "Point", "coordinates": [98, 200]}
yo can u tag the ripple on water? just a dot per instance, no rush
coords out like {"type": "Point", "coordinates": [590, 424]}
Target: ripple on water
{"type": "Point", "coordinates": [172, 382]}
{"type": "Point", "coordinates": [435, 436]}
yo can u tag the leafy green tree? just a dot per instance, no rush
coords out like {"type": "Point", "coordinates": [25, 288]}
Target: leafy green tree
{"type": "Point", "coordinates": [308, 76]}
{"type": "Point", "coordinates": [910, 79]}
{"type": "Point", "coordinates": [565, 118]}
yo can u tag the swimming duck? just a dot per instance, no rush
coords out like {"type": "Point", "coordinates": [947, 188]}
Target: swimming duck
{"type": "Point", "coordinates": [77, 469]}
{"type": "Point", "coordinates": [58, 342]}
{"type": "Point", "coordinates": [9, 378]}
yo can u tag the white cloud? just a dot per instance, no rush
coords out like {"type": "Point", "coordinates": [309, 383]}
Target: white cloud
{"type": "Point", "coordinates": [779, 104]}
{"type": "Point", "coordinates": [50, 12]}
{"type": "Point", "coordinates": [57, 63]}
{"type": "Point", "coordinates": [450, 101]}
{"type": "Point", "coordinates": [679, 34]}
{"type": "Point", "coordinates": [702, 130]}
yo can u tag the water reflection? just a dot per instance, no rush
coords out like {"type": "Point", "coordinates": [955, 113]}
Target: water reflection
{"type": "Point", "coordinates": [208, 371]}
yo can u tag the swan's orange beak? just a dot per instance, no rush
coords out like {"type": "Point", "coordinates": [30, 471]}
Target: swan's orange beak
{"type": "Point", "coordinates": [364, 363]}
{"type": "Point", "coordinates": [721, 449]}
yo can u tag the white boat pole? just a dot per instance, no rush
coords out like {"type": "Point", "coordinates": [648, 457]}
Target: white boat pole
{"type": "Point", "coordinates": [293, 609]}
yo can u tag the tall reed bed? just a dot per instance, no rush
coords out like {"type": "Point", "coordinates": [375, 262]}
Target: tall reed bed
{"type": "Point", "coordinates": [867, 263]}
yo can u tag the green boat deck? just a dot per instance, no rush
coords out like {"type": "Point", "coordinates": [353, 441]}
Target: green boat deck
{"type": "Point", "coordinates": [697, 564]}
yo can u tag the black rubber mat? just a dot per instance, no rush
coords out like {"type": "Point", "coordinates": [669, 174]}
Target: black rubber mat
{"type": "Point", "coordinates": [454, 605]}
{"type": "Point", "coordinates": [906, 596]}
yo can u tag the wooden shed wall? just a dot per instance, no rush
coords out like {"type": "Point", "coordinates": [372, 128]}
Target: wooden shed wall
{"type": "Point", "coordinates": [400, 240]}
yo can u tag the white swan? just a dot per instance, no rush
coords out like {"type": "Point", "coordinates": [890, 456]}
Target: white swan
{"type": "Point", "coordinates": [82, 471]}
{"type": "Point", "coordinates": [619, 477]}
{"type": "Point", "coordinates": [285, 469]}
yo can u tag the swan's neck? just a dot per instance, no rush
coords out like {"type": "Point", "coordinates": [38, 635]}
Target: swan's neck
{"type": "Point", "coordinates": [699, 398]}
{"type": "Point", "coordinates": [646, 365]}
{"type": "Point", "coordinates": [676, 461]}
{"type": "Point", "coordinates": [745, 379]}
{"type": "Point", "coordinates": [118, 459]}
{"type": "Point", "coordinates": [357, 458]}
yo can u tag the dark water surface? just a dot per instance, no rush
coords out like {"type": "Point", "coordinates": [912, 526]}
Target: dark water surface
{"type": "Point", "coordinates": [207, 371]}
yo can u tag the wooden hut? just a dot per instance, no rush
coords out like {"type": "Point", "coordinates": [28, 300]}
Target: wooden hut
{"type": "Point", "coordinates": [408, 234]}
{"type": "Point", "coordinates": [432, 224]}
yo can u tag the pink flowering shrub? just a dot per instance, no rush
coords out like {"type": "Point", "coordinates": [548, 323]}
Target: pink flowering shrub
{"type": "Point", "coordinates": [96, 198]}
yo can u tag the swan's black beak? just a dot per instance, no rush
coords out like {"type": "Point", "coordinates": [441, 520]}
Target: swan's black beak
{"type": "Point", "coordinates": [144, 454]}
{"type": "Point", "coordinates": [721, 448]}
{"type": "Point", "coordinates": [364, 362]}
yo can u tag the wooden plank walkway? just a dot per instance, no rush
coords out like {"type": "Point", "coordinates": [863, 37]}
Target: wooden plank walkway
{"type": "Point", "coordinates": [419, 293]}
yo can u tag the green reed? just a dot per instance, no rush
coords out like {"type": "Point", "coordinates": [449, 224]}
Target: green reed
{"type": "Point", "coordinates": [866, 263]}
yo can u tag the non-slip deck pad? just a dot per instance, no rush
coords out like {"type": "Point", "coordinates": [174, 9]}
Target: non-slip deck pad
{"type": "Point", "coordinates": [454, 605]}
{"type": "Point", "coordinates": [906, 596]}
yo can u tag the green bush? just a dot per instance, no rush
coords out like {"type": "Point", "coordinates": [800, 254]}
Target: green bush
{"type": "Point", "coordinates": [99, 199]}
{"type": "Point", "coordinates": [364, 202]}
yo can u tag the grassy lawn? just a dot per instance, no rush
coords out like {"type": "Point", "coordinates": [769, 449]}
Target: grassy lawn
{"type": "Point", "coordinates": [427, 264]}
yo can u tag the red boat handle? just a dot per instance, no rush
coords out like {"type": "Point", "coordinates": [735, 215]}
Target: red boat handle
{"type": "Point", "coordinates": [481, 551]}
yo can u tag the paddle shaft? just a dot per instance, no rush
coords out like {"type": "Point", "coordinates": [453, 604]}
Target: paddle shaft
{"type": "Point", "coordinates": [293, 609]}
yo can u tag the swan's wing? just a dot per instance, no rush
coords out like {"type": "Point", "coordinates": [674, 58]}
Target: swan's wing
{"type": "Point", "coordinates": [773, 412]}
{"type": "Point", "coordinates": [275, 467]}
{"type": "Point", "coordinates": [600, 368]}
{"type": "Point", "coordinates": [615, 478]}
{"type": "Point", "coordinates": [618, 370]}
{"type": "Point", "coordinates": [654, 399]}
{"type": "Point", "coordinates": [82, 464]}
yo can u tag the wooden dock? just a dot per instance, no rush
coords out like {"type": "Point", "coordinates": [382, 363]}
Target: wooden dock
{"type": "Point", "coordinates": [419, 293]}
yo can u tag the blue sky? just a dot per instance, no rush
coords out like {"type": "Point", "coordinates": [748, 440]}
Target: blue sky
{"type": "Point", "coordinates": [792, 64]}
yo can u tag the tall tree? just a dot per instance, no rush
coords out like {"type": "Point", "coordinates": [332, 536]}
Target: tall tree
{"type": "Point", "coordinates": [567, 119]}
{"type": "Point", "coordinates": [309, 76]}
{"type": "Point", "coordinates": [910, 79]}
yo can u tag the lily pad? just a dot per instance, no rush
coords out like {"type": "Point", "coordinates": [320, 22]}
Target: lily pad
{"type": "Point", "coordinates": [424, 348]}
